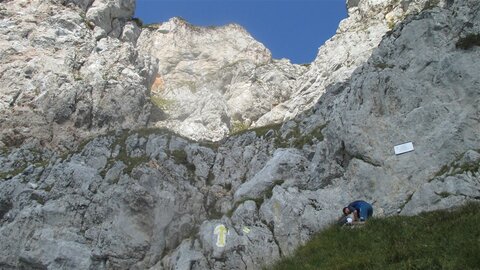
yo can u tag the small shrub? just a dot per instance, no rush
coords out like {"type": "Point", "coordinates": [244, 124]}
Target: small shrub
{"type": "Point", "coordinates": [138, 21]}
{"type": "Point", "coordinates": [442, 171]}
{"type": "Point", "coordinates": [239, 126]}
{"type": "Point", "coordinates": [162, 103]}
{"type": "Point", "coordinates": [180, 157]}
{"type": "Point", "coordinates": [431, 4]}
{"type": "Point", "coordinates": [89, 24]}
{"type": "Point", "coordinates": [444, 194]}
{"type": "Point", "coordinates": [390, 24]}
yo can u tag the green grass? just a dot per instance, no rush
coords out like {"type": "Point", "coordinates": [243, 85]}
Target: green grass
{"type": "Point", "coordinates": [259, 131]}
{"type": "Point", "coordinates": [435, 240]}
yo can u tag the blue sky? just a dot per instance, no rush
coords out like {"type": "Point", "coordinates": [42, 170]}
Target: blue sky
{"type": "Point", "coordinates": [292, 29]}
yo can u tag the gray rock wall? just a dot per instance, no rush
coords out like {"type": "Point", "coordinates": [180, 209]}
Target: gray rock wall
{"type": "Point", "coordinates": [69, 72]}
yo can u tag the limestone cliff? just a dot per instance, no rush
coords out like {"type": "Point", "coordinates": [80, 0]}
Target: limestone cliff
{"type": "Point", "coordinates": [212, 81]}
{"type": "Point", "coordinates": [356, 38]}
{"type": "Point", "coordinates": [69, 70]}
{"type": "Point", "coordinates": [152, 199]}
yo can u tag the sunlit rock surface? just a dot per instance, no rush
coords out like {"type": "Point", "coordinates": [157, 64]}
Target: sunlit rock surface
{"type": "Point", "coordinates": [213, 80]}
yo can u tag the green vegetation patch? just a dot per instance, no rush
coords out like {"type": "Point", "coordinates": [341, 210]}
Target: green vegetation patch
{"type": "Point", "coordinates": [294, 137]}
{"type": "Point", "coordinates": [258, 201]}
{"type": "Point", "coordinates": [239, 126]}
{"type": "Point", "coordinates": [431, 4]}
{"type": "Point", "coordinates": [138, 21]}
{"type": "Point", "coordinates": [133, 162]}
{"type": "Point", "coordinates": [382, 65]}
{"type": "Point", "coordinates": [162, 103]}
{"type": "Point", "coordinates": [391, 24]}
{"type": "Point", "coordinates": [434, 240]}
{"type": "Point", "coordinates": [308, 138]}
{"type": "Point", "coordinates": [180, 156]}
{"type": "Point", "coordinates": [5, 175]}
{"type": "Point", "coordinates": [130, 162]}
{"type": "Point", "coordinates": [456, 167]}
{"type": "Point", "coordinates": [262, 131]}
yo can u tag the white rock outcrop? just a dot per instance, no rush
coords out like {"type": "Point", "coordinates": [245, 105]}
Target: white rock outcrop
{"type": "Point", "coordinates": [213, 80]}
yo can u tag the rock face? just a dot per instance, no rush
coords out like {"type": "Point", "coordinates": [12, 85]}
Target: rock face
{"type": "Point", "coordinates": [150, 199]}
{"type": "Point", "coordinates": [418, 86]}
{"type": "Point", "coordinates": [69, 69]}
{"type": "Point", "coordinates": [213, 80]}
{"type": "Point", "coordinates": [356, 38]}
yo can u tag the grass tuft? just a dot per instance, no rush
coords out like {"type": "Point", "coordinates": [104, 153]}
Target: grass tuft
{"type": "Point", "coordinates": [239, 126]}
{"type": "Point", "coordinates": [162, 103]}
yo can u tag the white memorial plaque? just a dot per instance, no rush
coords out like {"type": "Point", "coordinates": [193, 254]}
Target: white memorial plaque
{"type": "Point", "coordinates": [403, 148]}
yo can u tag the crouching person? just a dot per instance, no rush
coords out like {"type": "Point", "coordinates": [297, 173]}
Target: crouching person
{"type": "Point", "coordinates": [360, 210]}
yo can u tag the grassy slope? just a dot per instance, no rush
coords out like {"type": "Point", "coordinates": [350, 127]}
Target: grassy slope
{"type": "Point", "coordinates": [435, 240]}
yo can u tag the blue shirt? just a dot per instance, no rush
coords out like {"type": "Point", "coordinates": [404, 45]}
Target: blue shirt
{"type": "Point", "coordinates": [363, 209]}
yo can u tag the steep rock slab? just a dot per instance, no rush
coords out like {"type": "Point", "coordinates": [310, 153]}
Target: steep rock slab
{"type": "Point", "coordinates": [418, 86]}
